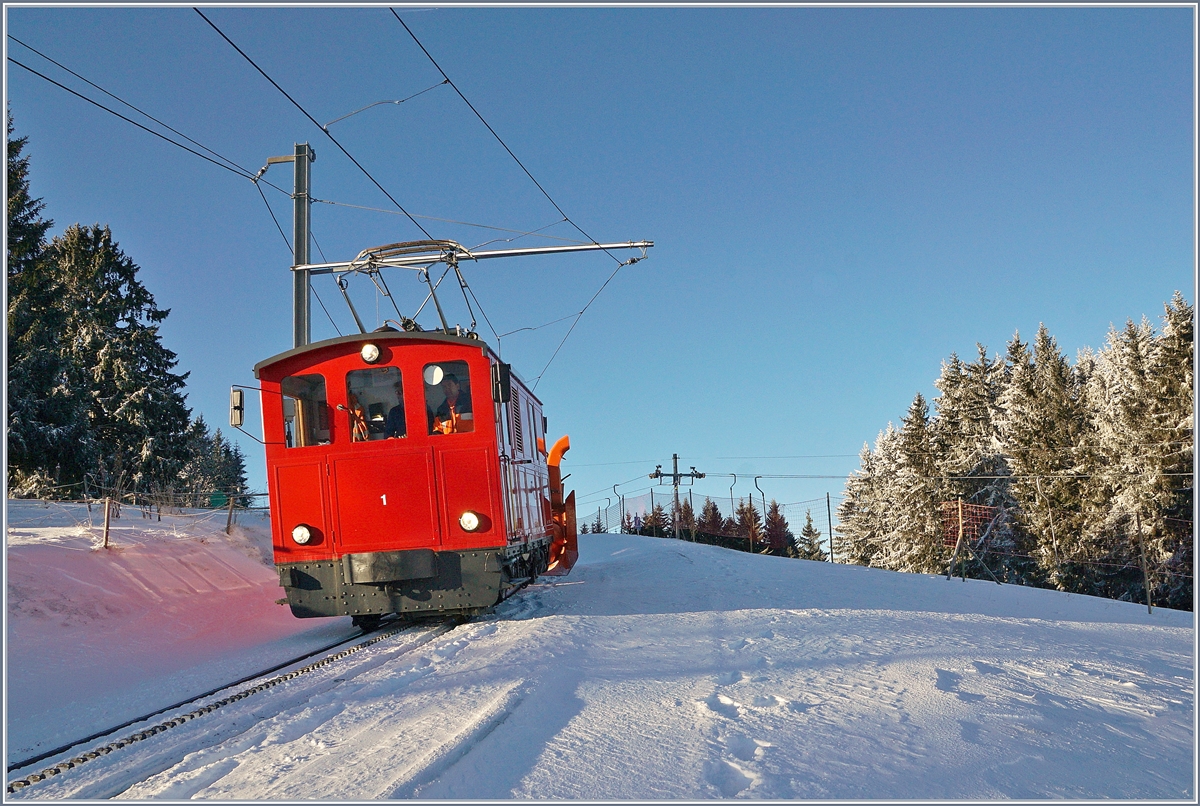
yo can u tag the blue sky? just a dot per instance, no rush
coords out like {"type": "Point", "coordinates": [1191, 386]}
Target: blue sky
{"type": "Point", "coordinates": [839, 197]}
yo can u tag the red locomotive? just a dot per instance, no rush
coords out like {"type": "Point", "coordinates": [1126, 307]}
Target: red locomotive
{"type": "Point", "coordinates": [408, 473]}
{"type": "Point", "coordinates": [407, 469]}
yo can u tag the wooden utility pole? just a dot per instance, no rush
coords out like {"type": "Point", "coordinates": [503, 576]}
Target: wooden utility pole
{"type": "Point", "coordinates": [829, 515]}
{"type": "Point", "coordinates": [1137, 519]}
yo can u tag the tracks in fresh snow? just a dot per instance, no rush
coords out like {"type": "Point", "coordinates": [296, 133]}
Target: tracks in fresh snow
{"type": "Point", "coordinates": [410, 637]}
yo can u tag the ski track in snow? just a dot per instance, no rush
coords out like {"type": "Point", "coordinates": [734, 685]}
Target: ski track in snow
{"type": "Point", "coordinates": [678, 671]}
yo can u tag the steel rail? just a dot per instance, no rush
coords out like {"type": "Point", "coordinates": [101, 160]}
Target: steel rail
{"type": "Point", "coordinates": [17, 785]}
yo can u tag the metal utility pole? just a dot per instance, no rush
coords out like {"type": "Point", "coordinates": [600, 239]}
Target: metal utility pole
{"type": "Point", "coordinates": [301, 161]}
{"type": "Point", "coordinates": [675, 477]}
{"type": "Point", "coordinates": [301, 212]}
{"type": "Point", "coordinates": [764, 500]}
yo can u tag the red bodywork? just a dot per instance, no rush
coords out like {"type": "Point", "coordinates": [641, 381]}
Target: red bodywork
{"type": "Point", "coordinates": [389, 495]}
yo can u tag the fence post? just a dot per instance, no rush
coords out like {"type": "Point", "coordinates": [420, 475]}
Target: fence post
{"type": "Point", "coordinates": [107, 510]}
{"type": "Point", "coordinates": [229, 520]}
{"type": "Point", "coordinates": [829, 517]}
{"type": "Point", "coordinates": [1137, 519]}
{"type": "Point", "coordinates": [963, 562]}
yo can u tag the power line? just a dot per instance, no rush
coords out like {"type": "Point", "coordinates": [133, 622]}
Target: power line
{"type": "Point", "coordinates": [139, 111]}
{"type": "Point", "coordinates": [222, 165]}
{"type": "Point", "coordinates": [332, 139]}
{"type": "Point", "coordinates": [286, 242]}
{"type": "Point", "coordinates": [498, 138]}
{"type": "Point", "coordinates": [566, 218]}
{"type": "Point", "coordinates": [536, 232]}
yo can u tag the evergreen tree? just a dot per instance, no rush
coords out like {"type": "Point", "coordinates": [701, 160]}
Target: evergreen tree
{"type": "Point", "coordinates": [1071, 457]}
{"type": "Point", "coordinates": [749, 526]}
{"type": "Point", "coordinates": [1043, 429]}
{"type": "Point", "coordinates": [912, 537]}
{"type": "Point", "coordinates": [655, 522]}
{"type": "Point", "coordinates": [968, 456]}
{"type": "Point", "coordinates": [136, 409]}
{"type": "Point", "coordinates": [583, 528]}
{"type": "Point", "coordinates": [687, 520]}
{"type": "Point", "coordinates": [598, 526]}
{"type": "Point", "coordinates": [48, 435]}
{"type": "Point", "coordinates": [627, 523]}
{"type": "Point", "coordinates": [90, 386]}
{"type": "Point", "coordinates": [1141, 394]}
{"type": "Point", "coordinates": [213, 465]}
{"type": "Point", "coordinates": [808, 547]}
{"type": "Point", "coordinates": [777, 533]}
{"type": "Point", "coordinates": [711, 520]}
{"type": "Point", "coordinates": [859, 515]}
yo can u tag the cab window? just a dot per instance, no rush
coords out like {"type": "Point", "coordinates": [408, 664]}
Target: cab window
{"type": "Point", "coordinates": [448, 398]}
{"type": "Point", "coordinates": [375, 401]}
{"type": "Point", "coordinates": [305, 413]}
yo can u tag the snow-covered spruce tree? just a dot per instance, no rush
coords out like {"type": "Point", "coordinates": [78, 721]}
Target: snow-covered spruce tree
{"type": "Point", "coordinates": [598, 526]}
{"type": "Point", "coordinates": [1043, 430]}
{"type": "Point", "coordinates": [1141, 392]}
{"type": "Point", "coordinates": [911, 539]}
{"type": "Point", "coordinates": [857, 533]}
{"type": "Point", "coordinates": [136, 408]}
{"type": "Point", "coordinates": [968, 457]}
{"type": "Point", "coordinates": [48, 436]}
{"type": "Point", "coordinates": [808, 545]}
{"type": "Point", "coordinates": [627, 523]}
{"type": "Point", "coordinates": [777, 532]}
{"type": "Point", "coordinates": [213, 465]}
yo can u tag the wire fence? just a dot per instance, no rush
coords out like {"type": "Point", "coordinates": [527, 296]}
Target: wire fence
{"type": "Point", "coordinates": [198, 504]}
{"type": "Point", "coordinates": [632, 510]}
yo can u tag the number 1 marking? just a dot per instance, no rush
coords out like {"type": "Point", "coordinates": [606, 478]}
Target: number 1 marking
{"type": "Point", "coordinates": [384, 497]}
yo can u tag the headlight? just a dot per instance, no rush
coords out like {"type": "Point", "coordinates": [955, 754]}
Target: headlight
{"type": "Point", "coordinates": [302, 534]}
{"type": "Point", "coordinates": [369, 353]}
{"type": "Point", "coordinates": [469, 521]}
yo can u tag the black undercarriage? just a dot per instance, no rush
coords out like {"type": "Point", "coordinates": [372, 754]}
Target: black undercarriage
{"type": "Point", "coordinates": [413, 582]}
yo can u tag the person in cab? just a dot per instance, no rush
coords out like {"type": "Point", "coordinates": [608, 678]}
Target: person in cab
{"type": "Point", "coordinates": [453, 415]}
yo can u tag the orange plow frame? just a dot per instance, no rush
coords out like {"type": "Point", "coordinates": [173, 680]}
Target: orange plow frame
{"type": "Point", "coordinates": [564, 547]}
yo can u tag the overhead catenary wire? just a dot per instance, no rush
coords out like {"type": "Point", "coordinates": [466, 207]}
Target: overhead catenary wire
{"type": "Point", "coordinates": [232, 170]}
{"type": "Point", "coordinates": [378, 103]}
{"type": "Point", "coordinates": [314, 121]}
{"type": "Point", "coordinates": [142, 112]}
{"type": "Point", "coordinates": [499, 140]}
{"type": "Point", "coordinates": [620, 263]}
{"type": "Point", "coordinates": [228, 164]}
{"type": "Point", "coordinates": [536, 232]}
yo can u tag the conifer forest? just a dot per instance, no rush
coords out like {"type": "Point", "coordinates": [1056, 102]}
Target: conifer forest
{"type": "Point", "coordinates": [95, 406]}
{"type": "Point", "coordinates": [1083, 472]}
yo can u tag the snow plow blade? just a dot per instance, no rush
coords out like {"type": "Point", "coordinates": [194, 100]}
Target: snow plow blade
{"type": "Point", "coordinates": [564, 547]}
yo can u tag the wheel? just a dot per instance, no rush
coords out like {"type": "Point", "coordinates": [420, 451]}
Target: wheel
{"type": "Point", "coordinates": [366, 623]}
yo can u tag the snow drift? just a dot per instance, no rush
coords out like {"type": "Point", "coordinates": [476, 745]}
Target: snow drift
{"type": "Point", "coordinates": [658, 669]}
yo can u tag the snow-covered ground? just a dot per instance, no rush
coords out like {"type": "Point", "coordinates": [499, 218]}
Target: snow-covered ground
{"type": "Point", "coordinates": [657, 669]}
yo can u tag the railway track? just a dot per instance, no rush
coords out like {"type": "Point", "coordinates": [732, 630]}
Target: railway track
{"type": "Point", "coordinates": [420, 634]}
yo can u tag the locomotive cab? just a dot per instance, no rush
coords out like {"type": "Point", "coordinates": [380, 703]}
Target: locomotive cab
{"type": "Point", "coordinates": [407, 473]}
